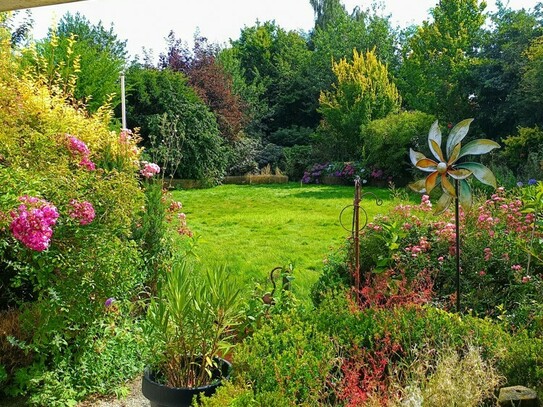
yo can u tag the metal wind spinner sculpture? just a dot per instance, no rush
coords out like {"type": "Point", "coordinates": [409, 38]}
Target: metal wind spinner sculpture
{"type": "Point", "coordinates": [445, 166]}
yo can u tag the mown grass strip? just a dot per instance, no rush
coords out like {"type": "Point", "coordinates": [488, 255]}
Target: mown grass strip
{"type": "Point", "coordinates": [254, 228]}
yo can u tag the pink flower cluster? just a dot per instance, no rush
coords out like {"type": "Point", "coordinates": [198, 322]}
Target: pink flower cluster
{"type": "Point", "coordinates": [175, 206]}
{"type": "Point", "coordinates": [183, 228]}
{"type": "Point", "coordinates": [425, 204]}
{"type": "Point", "coordinates": [81, 211]}
{"type": "Point", "coordinates": [79, 149]}
{"type": "Point", "coordinates": [422, 247]}
{"type": "Point", "coordinates": [149, 169]}
{"type": "Point", "coordinates": [33, 222]}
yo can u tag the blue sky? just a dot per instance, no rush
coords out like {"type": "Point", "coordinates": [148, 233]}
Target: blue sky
{"type": "Point", "coordinates": [146, 23]}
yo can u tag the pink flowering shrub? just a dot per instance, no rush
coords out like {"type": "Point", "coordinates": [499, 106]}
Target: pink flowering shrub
{"type": "Point", "coordinates": [33, 222]}
{"type": "Point", "coordinates": [149, 169]}
{"type": "Point", "coordinates": [83, 211]}
{"type": "Point", "coordinates": [411, 242]}
{"type": "Point", "coordinates": [80, 150]}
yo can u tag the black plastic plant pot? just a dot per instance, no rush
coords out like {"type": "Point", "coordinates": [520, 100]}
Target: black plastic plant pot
{"type": "Point", "coordinates": [164, 396]}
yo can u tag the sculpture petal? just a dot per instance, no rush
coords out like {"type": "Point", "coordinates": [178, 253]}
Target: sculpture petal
{"type": "Point", "coordinates": [447, 186]}
{"type": "Point", "coordinates": [455, 154]}
{"type": "Point", "coordinates": [434, 135]}
{"type": "Point", "coordinates": [431, 181]}
{"type": "Point", "coordinates": [480, 172]}
{"type": "Point", "coordinates": [419, 186]}
{"type": "Point", "coordinates": [460, 173]}
{"type": "Point", "coordinates": [426, 164]}
{"type": "Point", "coordinates": [478, 147]}
{"type": "Point", "coordinates": [464, 195]}
{"type": "Point", "coordinates": [436, 151]}
{"type": "Point", "coordinates": [443, 203]}
{"type": "Point", "coordinates": [457, 135]}
{"type": "Point", "coordinates": [415, 156]}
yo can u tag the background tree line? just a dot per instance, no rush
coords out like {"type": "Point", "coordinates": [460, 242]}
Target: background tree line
{"type": "Point", "coordinates": [354, 88]}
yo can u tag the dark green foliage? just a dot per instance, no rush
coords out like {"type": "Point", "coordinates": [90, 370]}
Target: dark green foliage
{"type": "Point", "coordinates": [522, 148]}
{"type": "Point", "coordinates": [342, 33]}
{"type": "Point", "coordinates": [276, 62]}
{"type": "Point", "coordinates": [242, 157]}
{"type": "Point", "coordinates": [336, 275]}
{"type": "Point", "coordinates": [271, 154]}
{"type": "Point", "coordinates": [291, 136]}
{"type": "Point", "coordinates": [387, 142]}
{"type": "Point", "coordinates": [438, 58]}
{"type": "Point", "coordinates": [500, 106]}
{"type": "Point", "coordinates": [153, 93]}
{"type": "Point", "coordinates": [288, 357]}
{"type": "Point", "coordinates": [297, 159]}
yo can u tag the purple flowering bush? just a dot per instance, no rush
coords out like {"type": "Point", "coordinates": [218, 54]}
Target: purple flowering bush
{"type": "Point", "coordinates": [345, 171]}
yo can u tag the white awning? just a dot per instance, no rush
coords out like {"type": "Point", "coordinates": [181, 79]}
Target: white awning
{"type": "Point", "coordinates": [7, 5]}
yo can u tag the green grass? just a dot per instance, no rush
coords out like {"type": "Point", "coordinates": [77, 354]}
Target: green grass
{"type": "Point", "coordinates": [254, 228]}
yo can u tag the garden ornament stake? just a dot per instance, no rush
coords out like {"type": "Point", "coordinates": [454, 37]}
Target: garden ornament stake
{"type": "Point", "coordinates": [445, 166]}
{"type": "Point", "coordinates": [356, 227]}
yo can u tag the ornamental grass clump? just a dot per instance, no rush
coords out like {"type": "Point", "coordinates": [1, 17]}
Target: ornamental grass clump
{"type": "Point", "coordinates": [191, 324]}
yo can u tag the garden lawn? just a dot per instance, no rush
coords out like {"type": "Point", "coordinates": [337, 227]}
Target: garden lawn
{"type": "Point", "coordinates": [254, 228]}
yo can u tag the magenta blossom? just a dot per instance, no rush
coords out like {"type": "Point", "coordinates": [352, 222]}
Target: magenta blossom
{"type": "Point", "coordinates": [81, 211]}
{"type": "Point", "coordinates": [109, 302]}
{"type": "Point", "coordinates": [33, 222]}
{"type": "Point", "coordinates": [88, 164]}
{"type": "Point", "coordinates": [77, 147]}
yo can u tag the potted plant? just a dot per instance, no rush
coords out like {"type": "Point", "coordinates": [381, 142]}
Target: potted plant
{"type": "Point", "coordinates": [190, 326]}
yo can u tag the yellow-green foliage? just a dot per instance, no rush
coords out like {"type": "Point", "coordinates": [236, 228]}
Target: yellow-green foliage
{"type": "Point", "coordinates": [34, 124]}
{"type": "Point", "coordinates": [84, 264]}
{"type": "Point", "coordinates": [363, 92]}
{"type": "Point", "coordinates": [363, 85]}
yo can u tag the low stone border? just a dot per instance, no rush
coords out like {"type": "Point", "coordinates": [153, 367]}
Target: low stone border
{"type": "Point", "coordinates": [255, 179]}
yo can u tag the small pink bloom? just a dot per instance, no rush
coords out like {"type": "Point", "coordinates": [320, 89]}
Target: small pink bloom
{"type": "Point", "coordinates": [77, 146]}
{"type": "Point", "coordinates": [86, 163]}
{"type": "Point", "coordinates": [526, 279]}
{"type": "Point", "coordinates": [81, 211]}
{"type": "Point", "coordinates": [149, 169]}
